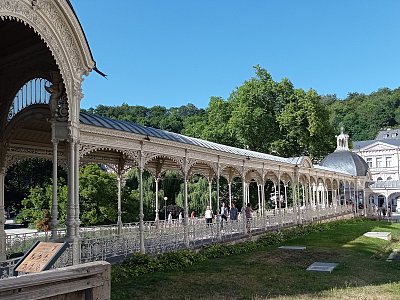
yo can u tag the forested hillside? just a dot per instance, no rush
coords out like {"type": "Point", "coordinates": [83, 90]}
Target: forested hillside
{"type": "Point", "coordinates": [362, 115]}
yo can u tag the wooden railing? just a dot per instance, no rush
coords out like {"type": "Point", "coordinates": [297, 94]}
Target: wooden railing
{"type": "Point", "coordinates": [84, 281]}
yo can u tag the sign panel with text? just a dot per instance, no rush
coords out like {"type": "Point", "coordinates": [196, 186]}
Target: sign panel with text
{"type": "Point", "coordinates": [40, 257]}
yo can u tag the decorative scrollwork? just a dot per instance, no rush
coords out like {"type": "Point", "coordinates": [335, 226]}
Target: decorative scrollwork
{"type": "Point", "coordinates": [62, 109]}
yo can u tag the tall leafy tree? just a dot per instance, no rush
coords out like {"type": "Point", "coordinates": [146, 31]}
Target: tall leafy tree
{"type": "Point", "coordinates": [305, 128]}
{"type": "Point", "coordinates": [253, 120]}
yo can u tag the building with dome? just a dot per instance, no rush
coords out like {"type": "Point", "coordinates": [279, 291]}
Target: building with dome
{"type": "Point", "coordinates": [383, 160]}
{"type": "Point", "coordinates": [346, 161]}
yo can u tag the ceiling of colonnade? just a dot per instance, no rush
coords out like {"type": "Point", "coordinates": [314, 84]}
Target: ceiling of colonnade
{"type": "Point", "coordinates": [23, 56]}
{"type": "Point", "coordinates": [31, 127]}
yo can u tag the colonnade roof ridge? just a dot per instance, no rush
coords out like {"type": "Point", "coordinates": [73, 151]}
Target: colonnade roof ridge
{"type": "Point", "coordinates": [121, 125]}
{"type": "Point", "coordinates": [134, 128]}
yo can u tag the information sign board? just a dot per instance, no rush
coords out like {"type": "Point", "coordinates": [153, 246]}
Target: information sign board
{"type": "Point", "coordinates": [42, 256]}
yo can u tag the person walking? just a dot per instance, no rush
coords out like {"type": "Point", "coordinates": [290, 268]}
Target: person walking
{"type": "Point", "coordinates": [233, 213]}
{"type": "Point", "coordinates": [208, 214]}
{"type": "Point", "coordinates": [248, 212]}
{"type": "Point", "coordinates": [170, 219]}
{"type": "Point", "coordinates": [180, 218]}
{"type": "Point", "coordinates": [192, 216]}
{"type": "Point", "coordinates": [224, 214]}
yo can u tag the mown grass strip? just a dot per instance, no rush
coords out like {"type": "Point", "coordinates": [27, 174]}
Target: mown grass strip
{"type": "Point", "coordinates": [258, 269]}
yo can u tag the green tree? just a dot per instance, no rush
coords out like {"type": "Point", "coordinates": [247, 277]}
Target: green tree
{"type": "Point", "coordinates": [304, 127]}
{"type": "Point", "coordinates": [253, 120]}
{"type": "Point", "coordinates": [98, 196]}
{"type": "Point", "coordinates": [36, 207]}
{"type": "Point", "coordinates": [198, 197]}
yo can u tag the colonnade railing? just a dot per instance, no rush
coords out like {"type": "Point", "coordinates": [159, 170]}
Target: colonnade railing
{"type": "Point", "coordinates": [113, 243]}
{"type": "Point", "coordinates": [161, 236]}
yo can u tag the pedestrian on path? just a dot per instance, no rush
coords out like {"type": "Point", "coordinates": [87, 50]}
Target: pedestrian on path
{"type": "Point", "coordinates": [170, 218]}
{"type": "Point", "coordinates": [248, 212]}
{"type": "Point", "coordinates": [192, 216]}
{"type": "Point", "coordinates": [233, 213]}
{"type": "Point", "coordinates": [224, 214]}
{"type": "Point", "coordinates": [208, 214]}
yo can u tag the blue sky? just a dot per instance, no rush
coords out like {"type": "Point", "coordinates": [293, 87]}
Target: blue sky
{"type": "Point", "coordinates": [174, 52]}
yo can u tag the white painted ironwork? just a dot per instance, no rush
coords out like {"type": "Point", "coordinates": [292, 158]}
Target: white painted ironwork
{"type": "Point", "coordinates": [32, 92]}
{"type": "Point", "coordinates": [105, 243]}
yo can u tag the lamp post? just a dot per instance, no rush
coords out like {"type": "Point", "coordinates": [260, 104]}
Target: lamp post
{"type": "Point", "coordinates": [165, 210]}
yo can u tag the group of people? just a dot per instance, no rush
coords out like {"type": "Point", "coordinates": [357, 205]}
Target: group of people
{"type": "Point", "coordinates": [226, 212]}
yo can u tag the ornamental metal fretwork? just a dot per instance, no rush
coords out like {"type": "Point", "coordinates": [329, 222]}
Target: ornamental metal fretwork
{"type": "Point", "coordinates": [31, 93]}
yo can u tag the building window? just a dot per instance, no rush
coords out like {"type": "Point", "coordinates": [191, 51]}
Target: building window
{"type": "Point", "coordinates": [388, 162]}
{"type": "Point", "coordinates": [369, 162]}
{"type": "Point", "coordinates": [379, 179]}
{"type": "Point", "coordinates": [389, 178]}
{"type": "Point", "coordinates": [379, 162]}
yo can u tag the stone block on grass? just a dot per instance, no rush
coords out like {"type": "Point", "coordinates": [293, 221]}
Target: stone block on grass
{"type": "Point", "coordinates": [322, 267]}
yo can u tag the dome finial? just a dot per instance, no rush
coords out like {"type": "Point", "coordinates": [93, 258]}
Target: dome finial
{"type": "Point", "coordinates": [342, 141]}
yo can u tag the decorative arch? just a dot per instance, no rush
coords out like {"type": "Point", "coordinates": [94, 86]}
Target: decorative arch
{"type": "Point", "coordinates": [56, 24]}
{"type": "Point", "coordinates": [88, 155]}
{"type": "Point", "coordinates": [320, 180]}
{"type": "Point", "coordinates": [197, 167]}
{"type": "Point", "coordinates": [303, 179]}
{"type": "Point", "coordinates": [158, 165]}
{"type": "Point", "coordinates": [313, 181]}
{"type": "Point", "coordinates": [231, 172]}
{"type": "Point", "coordinates": [306, 162]}
{"type": "Point", "coordinates": [335, 184]}
{"type": "Point", "coordinates": [32, 92]}
{"type": "Point", "coordinates": [253, 174]}
{"type": "Point", "coordinates": [394, 194]}
{"type": "Point", "coordinates": [272, 176]}
{"type": "Point", "coordinates": [328, 183]}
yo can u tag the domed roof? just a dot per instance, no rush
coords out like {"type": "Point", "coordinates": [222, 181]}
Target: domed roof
{"type": "Point", "coordinates": [346, 161]}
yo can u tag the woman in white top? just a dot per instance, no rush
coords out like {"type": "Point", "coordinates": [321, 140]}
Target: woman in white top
{"type": "Point", "coordinates": [180, 218]}
{"type": "Point", "coordinates": [208, 215]}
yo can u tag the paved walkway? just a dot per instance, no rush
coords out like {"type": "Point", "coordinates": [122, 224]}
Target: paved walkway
{"type": "Point", "coordinates": [395, 216]}
{"type": "Point", "coordinates": [18, 230]}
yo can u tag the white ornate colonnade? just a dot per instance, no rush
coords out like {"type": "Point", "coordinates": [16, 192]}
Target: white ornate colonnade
{"type": "Point", "coordinates": [43, 39]}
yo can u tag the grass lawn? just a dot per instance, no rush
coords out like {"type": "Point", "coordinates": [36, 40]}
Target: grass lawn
{"type": "Point", "coordinates": [362, 273]}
